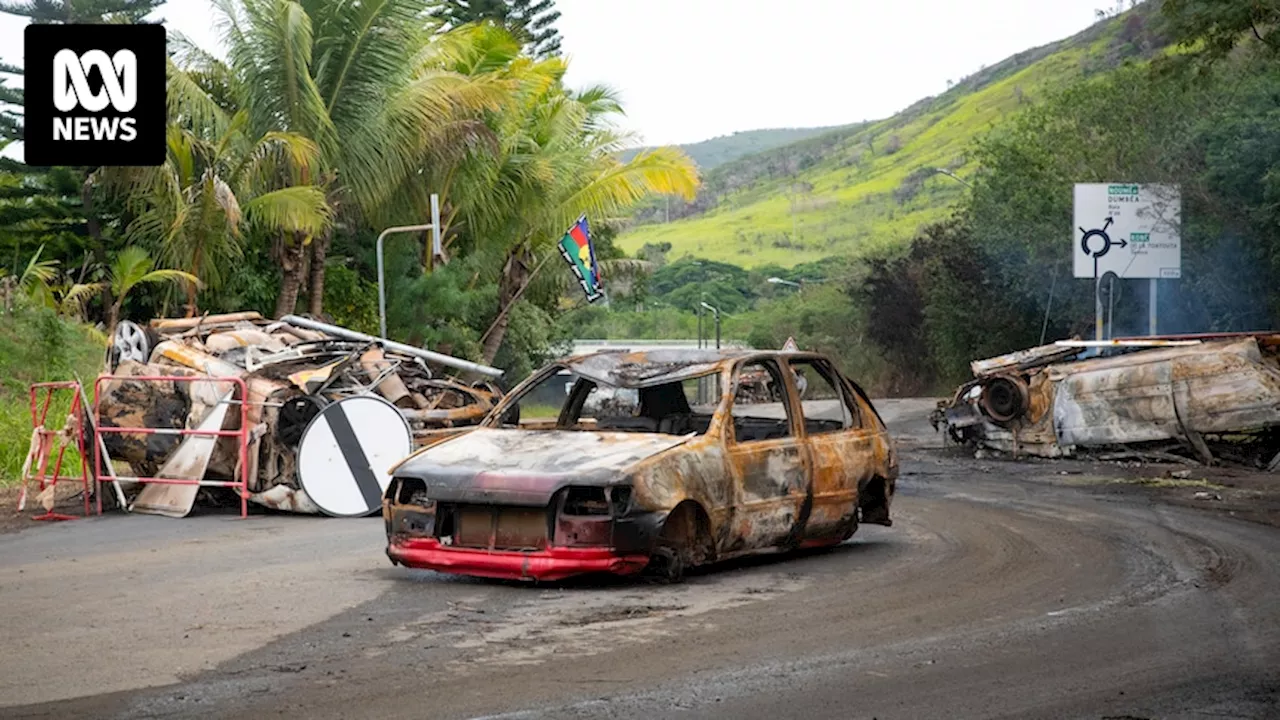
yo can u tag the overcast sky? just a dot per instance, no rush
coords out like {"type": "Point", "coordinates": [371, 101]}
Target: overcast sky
{"type": "Point", "coordinates": [689, 70]}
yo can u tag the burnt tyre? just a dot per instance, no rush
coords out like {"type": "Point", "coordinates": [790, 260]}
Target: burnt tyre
{"type": "Point", "coordinates": [684, 543]}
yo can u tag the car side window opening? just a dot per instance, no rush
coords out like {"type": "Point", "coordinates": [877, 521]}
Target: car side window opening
{"type": "Point", "coordinates": [540, 405]}
{"type": "Point", "coordinates": [760, 410]}
{"type": "Point", "coordinates": [824, 400]}
{"type": "Point", "coordinates": [670, 408]}
{"type": "Point", "coordinates": [567, 401]}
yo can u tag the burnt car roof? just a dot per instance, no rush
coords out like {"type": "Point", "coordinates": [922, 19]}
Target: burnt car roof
{"type": "Point", "coordinates": [658, 367]}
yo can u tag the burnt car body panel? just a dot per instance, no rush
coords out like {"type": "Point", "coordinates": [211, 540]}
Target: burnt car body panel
{"type": "Point", "coordinates": [1180, 394]}
{"type": "Point", "coordinates": [516, 502]}
{"type": "Point", "coordinates": [527, 467]}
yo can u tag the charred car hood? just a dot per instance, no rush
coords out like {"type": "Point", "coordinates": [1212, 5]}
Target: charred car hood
{"type": "Point", "coordinates": [527, 467]}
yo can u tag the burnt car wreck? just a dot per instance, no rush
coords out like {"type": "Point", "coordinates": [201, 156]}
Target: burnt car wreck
{"type": "Point", "coordinates": [292, 369]}
{"type": "Point", "coordinates": [1201, 398]}
{"type": "Point", "coordinates": [700, 465]}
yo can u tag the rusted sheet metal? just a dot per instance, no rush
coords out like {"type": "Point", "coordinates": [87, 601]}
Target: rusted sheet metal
{"type": "Point", "coordinates": [647, 369]}
{"type": "Point", "coordinates": [1023, 359]}
{"type": "Point", "coordinates": [578, 499]}
{"type": "Point", "coordinates": [189, 462]}
{"type": "Point", "coordinates": [291, 373]}
{"type": "Point", "coordinates": [1174, 392]}
{"type": "Point", "coordinates": [223, 341]}
{"type": "Point", "coordinates": [180, 324]}
{"type": "Point", "coordinates": [195, 359]}
{"type": "Point", "coordinates": [381, 371]}
{"type": "Point", "coordinates": [448, 417]}
{"type": "Point", "coordinates": [1159, 395]}
{"type": "Point", "coordinates": [518, 467]}
{"type": "Point", "coordinates": [500, 528]}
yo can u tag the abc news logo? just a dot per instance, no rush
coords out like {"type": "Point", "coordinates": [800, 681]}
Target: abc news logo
{"type": "Point", "coordinates": [95, 95]}
{"type": "Point", "coordinates": [71, 90]}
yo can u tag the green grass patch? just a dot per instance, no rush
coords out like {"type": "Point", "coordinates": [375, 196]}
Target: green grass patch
{"type": "Point", "coordinates": [539, 412]}
{"type": "Point", "coordinates": [37, 346]}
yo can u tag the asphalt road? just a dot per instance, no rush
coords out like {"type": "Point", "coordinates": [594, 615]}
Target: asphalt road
{"type": "Point", "coordinates": [1001, 591]}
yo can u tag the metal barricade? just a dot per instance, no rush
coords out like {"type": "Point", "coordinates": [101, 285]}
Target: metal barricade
{"type": "Point", "coordinates": [42, 445]}
{"type": "Point", "coordinates": [242, 434]}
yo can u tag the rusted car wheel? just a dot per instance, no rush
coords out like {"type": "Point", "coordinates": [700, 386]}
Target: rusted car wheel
{"type": "Point", "coordinates": [685, 542]}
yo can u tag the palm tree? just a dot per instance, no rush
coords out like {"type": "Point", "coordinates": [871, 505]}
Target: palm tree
{"type": "Point", "coordinates": [133, 267]}
{"type": "Point", "coordinates": [363, 82]}
{"type": "Point", "coordinates": [36, 280]}
{"type": "Point", "coordinates": [217, 181]}
{"type": "Point", "coordinates": [70, 297]}
{"type": "Point", "coordinates": [557, 160]}
{"type": "Point", "coordinates": [39, 284]}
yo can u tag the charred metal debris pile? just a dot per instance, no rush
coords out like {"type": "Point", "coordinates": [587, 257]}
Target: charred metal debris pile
{"type": "Point", "coordinates": [1193, 398]}
{"type": "Point", "coordinates": [292, 369]}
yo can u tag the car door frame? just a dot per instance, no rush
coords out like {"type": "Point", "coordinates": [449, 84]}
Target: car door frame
{"type": "Point", "coordinates": [768, 511]}
{"type": "Point", "coordinates": [841, 462]}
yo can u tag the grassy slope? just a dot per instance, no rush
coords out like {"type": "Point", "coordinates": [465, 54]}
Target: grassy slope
{"type": "Point", "coordinates": [851, 207]}
{"type": "Point", "coordinates": [717, 151]}
{"type": "Point", "coordinates": [36, 348]}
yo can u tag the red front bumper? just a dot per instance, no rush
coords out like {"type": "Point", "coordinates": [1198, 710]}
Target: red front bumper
{"type": "Point", "coordinates": [554, 563]}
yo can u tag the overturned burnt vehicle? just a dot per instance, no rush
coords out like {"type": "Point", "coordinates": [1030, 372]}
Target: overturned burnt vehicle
{"type": "Point", "coordinates": [1189, 398]}
{"type": "Point", "coordinates": [292, 369]}
{"type": "Point", "coordinates": [618, 462]}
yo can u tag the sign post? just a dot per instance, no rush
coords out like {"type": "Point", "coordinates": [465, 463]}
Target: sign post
{"type": "Point", "coordinates": [1134, 231]}
{"type": "Point", "coordinates": [1151, 307]}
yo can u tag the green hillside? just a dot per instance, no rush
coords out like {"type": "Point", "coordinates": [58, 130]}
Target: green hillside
{"type": "Point", "coordinates": [863, 187]}
{"type": "Point", "coordinates": [710, 154]}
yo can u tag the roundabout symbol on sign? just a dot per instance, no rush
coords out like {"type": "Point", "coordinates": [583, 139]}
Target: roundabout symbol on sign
{"type": "Point", "coordinates": [1106, 243]}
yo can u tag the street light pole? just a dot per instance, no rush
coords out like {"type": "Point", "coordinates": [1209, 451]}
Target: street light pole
{"type": "Point", "coordinates": [715, 311]}
{"type": "Point", "coordinates": [435, 243]}
{"type": "Point", "coordinates": [700, 323]}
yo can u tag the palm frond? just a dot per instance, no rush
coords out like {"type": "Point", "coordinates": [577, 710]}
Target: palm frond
{"type": "Point", "coordinates": [271, 50]}
{"type": "Point", "coordinates": [662, 170]}
{"type": "Point", "coordinates": [360, 46]}
{"type": "Point", "coordinates": [278, 158]}
{"type": "Point", "coordinates": [129, 267]}
{"type": "Point", "coordinates": [38, 272]}
{"type": "Point", "coordinates": [166, 275]}
{"type": "Point", "coordinates": [189, 106]}
{"type": "Point", "coordinates": [380, 154]}
{"type": "Point", "coordinates": [301, 208]}
{"type": "Point", "coordinates": [73, 298]}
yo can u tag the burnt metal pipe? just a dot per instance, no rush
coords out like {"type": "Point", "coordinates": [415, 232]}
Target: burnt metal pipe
{"type": "Point", "coordinates": [435, 357]}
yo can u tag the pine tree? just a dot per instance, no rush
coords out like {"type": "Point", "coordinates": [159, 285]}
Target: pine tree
{"type": "Point", "coordinates": [80, 11]}
{"type": "Point", "coordinates": [10, 98]}
{"type": "Point", "coordinates": [537, 20]}
{"type": "Point", "coordinates": [49, 12]}
{"type": "Point", "coordinates": [48, 206]}
{"type": "Point", "coordinates": [531, 20]}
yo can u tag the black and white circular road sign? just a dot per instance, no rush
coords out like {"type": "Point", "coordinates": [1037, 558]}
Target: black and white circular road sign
{"type": "Point", "coordinates": [346, 452]}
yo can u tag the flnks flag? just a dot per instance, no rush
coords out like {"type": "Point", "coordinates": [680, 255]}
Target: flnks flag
{"type": "Point", "coordinates": [577, 250]}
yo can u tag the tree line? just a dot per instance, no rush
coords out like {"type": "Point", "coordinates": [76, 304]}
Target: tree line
{"type": "Point", "coordinates": [996, 276]}
{"type": "Point", "coordinates": [324, 123]}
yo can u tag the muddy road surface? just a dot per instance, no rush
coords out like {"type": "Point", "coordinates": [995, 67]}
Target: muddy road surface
{"type": "Point", "coordinates": [1004, 589]}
